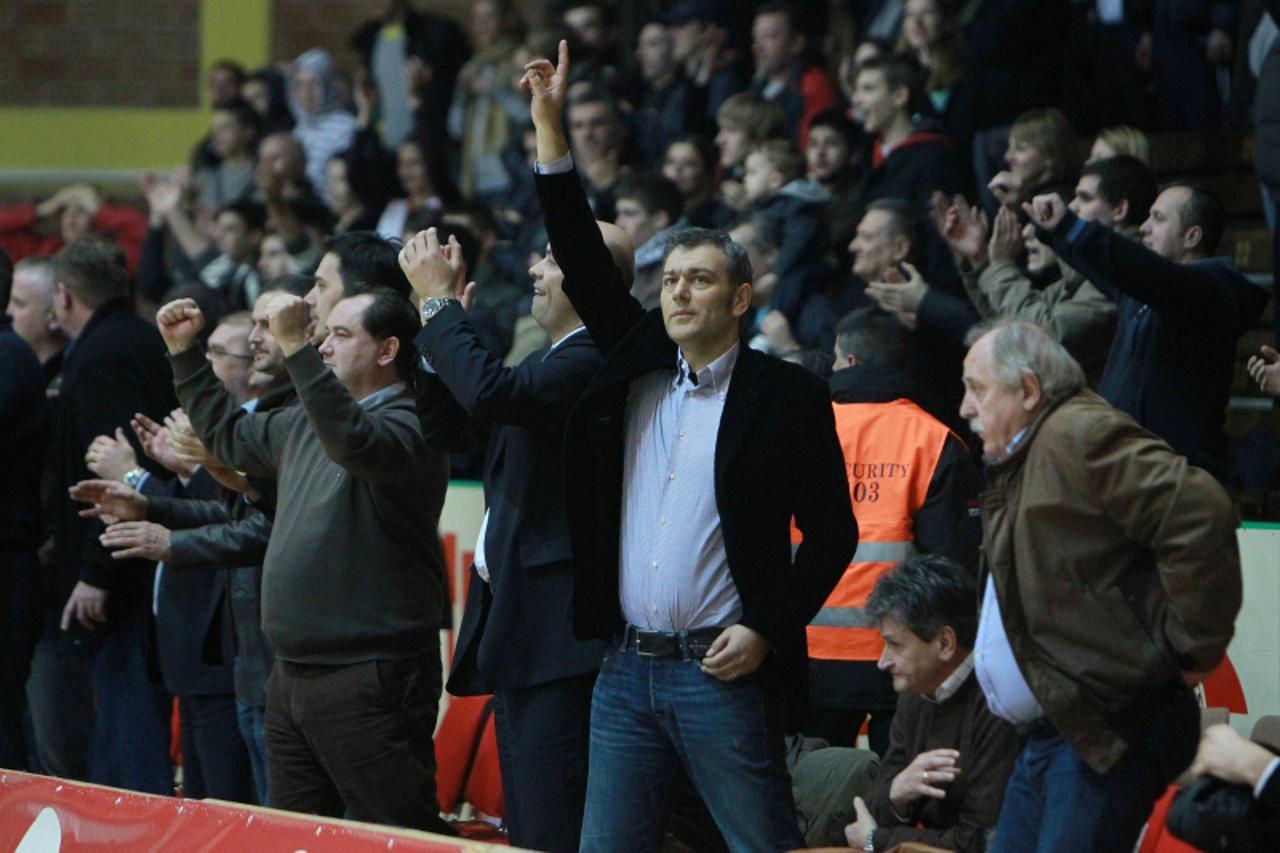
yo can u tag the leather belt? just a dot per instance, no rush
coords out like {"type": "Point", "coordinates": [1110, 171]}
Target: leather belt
{"type": "Point", "coordinates": [686, 645]}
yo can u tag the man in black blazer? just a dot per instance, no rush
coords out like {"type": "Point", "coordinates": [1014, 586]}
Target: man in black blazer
{"type": "Point", "coordinates": [114, 367]}
{"type": "Point", "coordinates": [516, 639]}
{"type": "Point", "coordinates": [685, 461]}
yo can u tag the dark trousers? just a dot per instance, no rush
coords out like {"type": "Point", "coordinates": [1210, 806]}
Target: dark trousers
{"type": "Point", "coordinates": [131, 730]}
{"type": "Point", "coordinates": [543, 732]}
{"type": "Point", "coordinates": [1055, 802]}
{"type": "Point", "coordinates": [356, 740]}
{"type": "Point", "coordinates": [215, 762]}
{"type": "Point", "coordinates": [60, 701]}
{"type": "Point", "coordinates": [840, 726]}
{"type": "Point", "coordinates": [20, 613]}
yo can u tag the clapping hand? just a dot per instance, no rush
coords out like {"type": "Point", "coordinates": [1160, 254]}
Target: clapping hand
{"type": "Point", "coordinates": [112, 500]}
{"type": "Point", "coordinates": [1006, 237]}
{"type": "Point", "coordinates": [154, 439]}
{"type": "Point", "coordinates": [435, 271]}
{"type": "Point", "coordinates": [964, 227]}
{"type": "Point", "coordinates": [1265, 370]}
{"type": "Point", "coordinates": [895, 294]}
{"type": "Point", "coordinates": [111, 458]}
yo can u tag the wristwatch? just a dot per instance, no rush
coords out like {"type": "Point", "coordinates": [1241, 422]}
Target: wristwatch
{"type": "Point", "coordinates": [433, 306]}
{"type": "Point", "coordinates": [134, 477]}
{"type": "Point", "coordinates": [869, 843]}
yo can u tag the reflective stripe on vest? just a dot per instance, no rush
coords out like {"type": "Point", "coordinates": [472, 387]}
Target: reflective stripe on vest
{"type": "Point", "coordinates": [891, 451]}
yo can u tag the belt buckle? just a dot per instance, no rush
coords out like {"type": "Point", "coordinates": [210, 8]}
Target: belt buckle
{"type": "Point", "coordinates": [652, 644]}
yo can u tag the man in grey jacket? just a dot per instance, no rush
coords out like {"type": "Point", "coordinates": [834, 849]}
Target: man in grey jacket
{"type": "Point", "coordinates": [352, 584]}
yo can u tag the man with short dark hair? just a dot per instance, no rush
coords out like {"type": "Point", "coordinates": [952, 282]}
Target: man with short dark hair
{"type": "Point", "coordinates": [352, 581]}
{"type": "Point", "coordinates": [1180, 311]}
{"type": "Point", "coordinates": [783, 73]}
{"type": "Point", "coordinates": [114, 367]}
{"type": "Point", "coordinates": [680, 560]}
{"type": "Point", "coordinates": [1116, 192]}
{"type": "Point", "coordinates": [597, 134]}
{"type": "Point", "coordinates": [1110, 582]}
{"type": "Point", "coordinates": [353, 263]}
{"type": "Point", "coordinates": [647, 206]}
{"type": "Point", "coordinates": [942, 780]}
{"type": "Point", "coordinates": [909, 160]}
{"type": "Point", "coordinates": [914, 489]}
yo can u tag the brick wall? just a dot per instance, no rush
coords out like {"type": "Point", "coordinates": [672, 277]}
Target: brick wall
{"type": "Point", "coordinates": [89, 53]}
{"type": "Point", "coordinates": [146, 53]}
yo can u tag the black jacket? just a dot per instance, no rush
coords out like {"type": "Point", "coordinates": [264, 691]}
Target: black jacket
{"type": "Point", "coordinates": [183, 599]}
{"type": "Point", "coordinates": [114, 368]}
{"type": "Point", "coordinates": [776, 456]}
{"type": "Point", "coordinates": [516, 631]}
{"type": "Point", "coordinates": [917, 167]}
{"type": "Point", "coordinates": [1173, 355]}
{"type": "Point", "coordinates": [440, 44]}
{"type": "Point", "coordinates": [24, 422]}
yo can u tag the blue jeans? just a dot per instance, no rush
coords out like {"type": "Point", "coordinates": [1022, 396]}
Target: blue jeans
{"type": "Point", "coordinates": [253, 729]}
{"type": "Point", "coordinates": [1056, 802]}
{"type": "Point", "coordinates": [647, 714]}
{"type": "Point", "coordinates": [130, 747]}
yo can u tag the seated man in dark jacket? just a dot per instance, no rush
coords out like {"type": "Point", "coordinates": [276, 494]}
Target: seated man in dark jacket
{"type": "Point", "coordinates": [942, 780]}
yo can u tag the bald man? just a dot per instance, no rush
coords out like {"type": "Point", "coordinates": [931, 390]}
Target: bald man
{"type": "Point", "coordinates": [516, 639]}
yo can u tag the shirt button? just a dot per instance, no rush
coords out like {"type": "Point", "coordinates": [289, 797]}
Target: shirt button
{"type": "Point", "coordinates": [681, 433]}
{"type": "Point", "coordinates": [653, 610]}
{"type": "Point", "coordinates": [673, 475]}
{"type": "Point", "coordinates": [654, 564]}
{"type": "Point", "coordinates": [664, 522]}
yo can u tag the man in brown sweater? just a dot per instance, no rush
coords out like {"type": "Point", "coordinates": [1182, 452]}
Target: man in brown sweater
{"type": "Point", "coordinates": [943, 777]}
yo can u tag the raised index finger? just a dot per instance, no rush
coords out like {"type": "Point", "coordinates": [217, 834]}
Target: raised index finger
{"type": "Point", "coordinates": [562, 60]}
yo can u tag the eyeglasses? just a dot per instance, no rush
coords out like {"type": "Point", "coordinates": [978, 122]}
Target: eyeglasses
{"type": "Point", "coordinates": [221, 352]}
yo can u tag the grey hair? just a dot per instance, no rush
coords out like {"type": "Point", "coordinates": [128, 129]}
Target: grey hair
{"type": "Point", "coordinates": [1019, 348]}
{"type": "Point", "coordinates": [737, 262]}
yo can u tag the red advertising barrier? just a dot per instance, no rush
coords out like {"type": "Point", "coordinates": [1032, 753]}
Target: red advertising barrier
{"type": "Point", "coordinates": [39, 814]}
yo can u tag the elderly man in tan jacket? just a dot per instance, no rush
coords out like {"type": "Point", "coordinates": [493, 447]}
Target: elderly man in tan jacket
{"type": "Point", "coordinates": [1110, 585]}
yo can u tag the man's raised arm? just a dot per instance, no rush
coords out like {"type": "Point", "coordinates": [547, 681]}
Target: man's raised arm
{"type": "Point", "coordinates": [232, 434]}
{"type": "Point", "coordinates": [592, 280]}
{"type": "Point", "coordinates": [385, 446]}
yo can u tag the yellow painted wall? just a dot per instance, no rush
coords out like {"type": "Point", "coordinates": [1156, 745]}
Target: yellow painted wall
{"type": "Point", "coordinates": [99, 138]}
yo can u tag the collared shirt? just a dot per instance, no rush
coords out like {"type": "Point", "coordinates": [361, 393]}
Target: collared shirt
{"type": "Point", "coordinates": [382, 394]}
{"type": "Point", "coordinates": [1265, 777]}
{"type": "Point", "coordinates": [1008, 695]}
{"type": "Point", "coordinates": [674, 570]}
{"type": "Point", "coordinates": [479, 560]}
{"type": "Point", "coordinates": [953, 682]}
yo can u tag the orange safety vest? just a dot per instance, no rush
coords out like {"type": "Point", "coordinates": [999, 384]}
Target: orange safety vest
{"type": "Point", "coordinates": [890, 453]}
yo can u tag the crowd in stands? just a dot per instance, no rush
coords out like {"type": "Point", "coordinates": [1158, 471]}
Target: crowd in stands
{"type": "Point", "coordinates": [1013, 343]}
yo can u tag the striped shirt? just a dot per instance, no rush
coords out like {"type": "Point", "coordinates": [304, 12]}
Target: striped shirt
{"type": "Point", "coordinates": [674, 570]}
